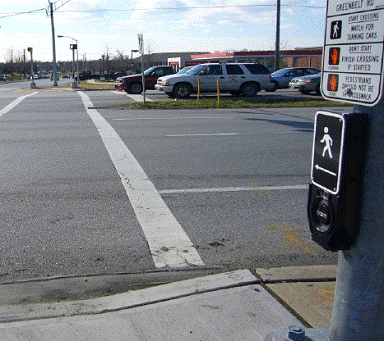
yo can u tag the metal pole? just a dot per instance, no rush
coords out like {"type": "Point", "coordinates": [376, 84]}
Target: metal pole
{"type": "Point", "coordinates": [77, 61]}
{"type": "Point", "coordinates": [33, 84]}
{"type": "Point", "coordinates": [73, 63]}
{"type": "Point", "coordinates": [54, 69]}
{"type": "Point", "coordinates": [277, 42]}
{"type": "Point", "coordinates": [143, 78]}
{"type": "Point", "coordinates": [358, 312]}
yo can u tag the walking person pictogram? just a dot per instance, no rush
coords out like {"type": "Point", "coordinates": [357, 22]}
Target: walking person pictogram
{"type": "Point", "coordinates": [327, 139]}
{"type": "Point", "coordinates": [336, 29]}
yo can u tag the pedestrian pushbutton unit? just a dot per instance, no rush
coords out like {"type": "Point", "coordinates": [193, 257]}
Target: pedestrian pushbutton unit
{"type": "Point", "coordinates": [337, 167]}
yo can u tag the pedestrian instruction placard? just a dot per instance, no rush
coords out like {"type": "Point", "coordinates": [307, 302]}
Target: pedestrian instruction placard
{"type": "Point", "coordinates": [327, 151]}
{"type": "Point", "coordinates": [353, 51]}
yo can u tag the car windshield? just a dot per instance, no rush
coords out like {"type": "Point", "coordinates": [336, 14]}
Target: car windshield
{"type": "Point", "coordinates": [279, 72]}
{"type": "Point", "coordinates": [196, 69]}
{"type": "Point", "coordinates": [149, 71]}
{"type": "Point", "coordinates": [185, 70]}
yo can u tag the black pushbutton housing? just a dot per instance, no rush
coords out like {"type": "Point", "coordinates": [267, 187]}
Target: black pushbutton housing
{"type": "Point", "coordinates": [334, 219]}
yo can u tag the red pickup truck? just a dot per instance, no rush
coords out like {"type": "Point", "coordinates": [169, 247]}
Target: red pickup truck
{"type": "Point", "coordinates": [132, 84]}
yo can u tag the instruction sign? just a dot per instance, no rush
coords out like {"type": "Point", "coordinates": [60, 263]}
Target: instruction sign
{"type": "Point", "coordinates": [353, 51]}
{"type": "Point", "coordinates": [327, 151]}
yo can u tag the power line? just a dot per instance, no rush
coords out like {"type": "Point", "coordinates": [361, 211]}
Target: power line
{"type": "Point", "coordinates": [4, 15]}
{"type": "Point", "coordinates": [184, 8]}
{"type": "Point", "coordinates": [13, 14]}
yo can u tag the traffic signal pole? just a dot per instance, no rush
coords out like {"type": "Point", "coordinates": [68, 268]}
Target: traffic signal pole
{"type": "Point", "coordinates": [358, 312]}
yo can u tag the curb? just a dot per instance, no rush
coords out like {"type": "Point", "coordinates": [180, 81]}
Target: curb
{"type": "Point", "coordinates": [166, 292]}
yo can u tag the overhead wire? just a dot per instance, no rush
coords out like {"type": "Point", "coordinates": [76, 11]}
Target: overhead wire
{"type": "Point", "coordinates": [4, 15]}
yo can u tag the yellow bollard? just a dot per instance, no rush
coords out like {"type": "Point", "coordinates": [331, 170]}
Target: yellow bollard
{"type": "Point", "coordinates": [218, 93]}
{"type": "Point", "coordinates": [198, 89]}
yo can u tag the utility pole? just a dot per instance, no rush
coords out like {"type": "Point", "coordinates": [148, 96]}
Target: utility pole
{"type": "Point", "coordinates": [54, 69]}
{"type": "Point", "coordinates": [277, 43]}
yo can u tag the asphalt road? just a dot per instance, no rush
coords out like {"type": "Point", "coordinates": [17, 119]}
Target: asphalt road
{"type": "Point", "coordinates": [105, 191]}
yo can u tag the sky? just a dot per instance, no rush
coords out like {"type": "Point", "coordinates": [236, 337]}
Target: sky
{"type": "Point", "coordinates": [112, 26]}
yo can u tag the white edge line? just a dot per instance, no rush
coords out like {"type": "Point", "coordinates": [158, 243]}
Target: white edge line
{"type": "Point", "coordinates": [213, 134]}
{"type": "Point", "coordinates": [232, 189]}
{"type": "Point", "coordinates": [17, 101]}
{"type": "Point", "coordinates": [171, 118]}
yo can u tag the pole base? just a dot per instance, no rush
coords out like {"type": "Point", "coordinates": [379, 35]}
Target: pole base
{"type": "Point", "coordinates": [74, 85]}
{"type": "Point", "coordinates": [33, 85]}
{"type": "Point", "coordinates": [294, 333]}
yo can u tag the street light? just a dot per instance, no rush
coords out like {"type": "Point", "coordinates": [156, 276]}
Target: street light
{"type": "Point", "coordinates": [73, 48]}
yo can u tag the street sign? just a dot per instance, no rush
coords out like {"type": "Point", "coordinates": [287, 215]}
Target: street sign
{"type": "Point", "coordinates": [141, 43]}
{"type": "Point", "coordinates": [353, 51]}
{"type": "Point", "coordinates": [327, 151]}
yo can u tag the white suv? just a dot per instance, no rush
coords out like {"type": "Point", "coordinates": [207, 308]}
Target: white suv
{"type": "Point", "coordinates": [245, 79]}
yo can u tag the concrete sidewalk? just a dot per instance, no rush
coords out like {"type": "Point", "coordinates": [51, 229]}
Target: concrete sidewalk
{"type": "Point", "coordinates": [238, 305]}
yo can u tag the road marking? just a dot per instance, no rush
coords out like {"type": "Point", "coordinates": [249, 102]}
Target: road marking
{"type": "Point", "coordinates": [171, 118]}
{"type": "Point", "coordinates": [139, 98]}
{"type": "Point", "coordinates": [136, 98]}
{"type": "Point", "coordinates": [213, 134]}
{"type": "Point", "coordinates": [169, 244]}
{"type": "Point", "coordinates": [232, 189]}
{"type": "Point", "coordinates": [17, 101]}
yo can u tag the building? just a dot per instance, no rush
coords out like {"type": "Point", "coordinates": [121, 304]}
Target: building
{"type": "Point", "coordinates": [311, 57]}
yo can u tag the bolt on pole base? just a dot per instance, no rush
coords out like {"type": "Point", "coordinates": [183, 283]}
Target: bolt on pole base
{"type": "Point", "coordinates": [296, 333]}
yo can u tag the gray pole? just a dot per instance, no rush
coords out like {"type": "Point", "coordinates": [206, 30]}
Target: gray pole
{"type": "Point", "coordinates": [77, 61]}
{"type": "Point", "coordinates": [73, 63]}
{"type": "Point", "coordinates": [143, 78]}
{"type": "Point", "coordinates": [33, 84]}
{"type": "Point", "coordinates": [358, 312]}
{"type": "Point", "coordinates": [277, 42]}
{"type": "Point", "coordinates": [54, 70]}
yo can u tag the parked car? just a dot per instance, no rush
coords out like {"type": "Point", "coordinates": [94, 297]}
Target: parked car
{"type": "Point", "coordinates": [84, 75]}
{"type": "Point", "coordinates": [245, 79]}
{"type": "Point", "coordinates": [132, 84]}
{"type": "Point", "coordinates": [3, 78]}
{"type": "Point", "coordinates": [307, 84]}
{"type": "Point", "coordinates": [65, 76]}
{"type": "Point", "coordinates": [282, 77]}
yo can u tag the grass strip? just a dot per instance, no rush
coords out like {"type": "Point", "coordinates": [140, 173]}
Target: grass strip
{"type": "Point", "coordinates": [226, 103]}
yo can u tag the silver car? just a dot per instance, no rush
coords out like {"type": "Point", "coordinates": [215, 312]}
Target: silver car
{"type": "Point", "coordinates": [306, 84]}
{"type": "Point", "coordinates": [282, 77]}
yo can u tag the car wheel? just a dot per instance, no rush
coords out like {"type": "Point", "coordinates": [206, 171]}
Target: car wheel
{"type": "Point", "coordinates": [182, 91]}
{"type": "Point", "coordinates": [135, 88]}
{"type": "Point", "coordinates": [249, 89]}
{"type": "Point", "coordinates": [318, 93]}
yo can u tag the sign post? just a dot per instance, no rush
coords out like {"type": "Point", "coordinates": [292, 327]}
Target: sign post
{"type": "Point", "coordinates": [141, 51]}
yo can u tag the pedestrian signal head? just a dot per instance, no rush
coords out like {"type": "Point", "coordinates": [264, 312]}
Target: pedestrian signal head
{"type": "Point", "coordinates": [334, 56]}
{"type": "Point", "coordinates": [333, 82]}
